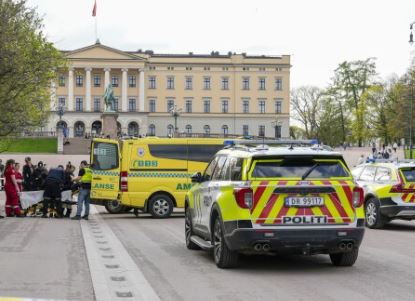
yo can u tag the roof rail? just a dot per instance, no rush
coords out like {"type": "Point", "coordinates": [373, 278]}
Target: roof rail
{"type": "Point", "coordinates": [271, 142]}
{"type": "Point", "coordinates": [396, 160]}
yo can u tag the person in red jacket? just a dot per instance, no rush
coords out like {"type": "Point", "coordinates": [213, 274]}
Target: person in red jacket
{"type": "Point", "coordinates": [19, 176]}
{"type": "Point", "coordinates": [12, 190]}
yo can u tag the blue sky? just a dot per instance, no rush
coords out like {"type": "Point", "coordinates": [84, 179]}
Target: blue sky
{"type": "Point", "coordinates": [319, 34]}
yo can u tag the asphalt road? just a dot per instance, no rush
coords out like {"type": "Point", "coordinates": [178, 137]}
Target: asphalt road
{"type": "Point", "coordinates": [47, 259]}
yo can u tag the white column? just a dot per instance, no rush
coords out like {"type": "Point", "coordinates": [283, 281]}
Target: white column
{"type": "Point", "coordinates": [70, 89]}
{"type": "Point", "coordinates": [124, 91]}
{"type": "Point", "coordinates": [141, 89]}
{"type": "Point", "coordinates": [53, 102]}
{"type": "Point", "coordinates": [88, 89]}
{"type": "Point", "coordinates": [106, 77]}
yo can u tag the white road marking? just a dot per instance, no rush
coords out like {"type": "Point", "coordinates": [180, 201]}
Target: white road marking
{"type": "Point", "coordinates": [115, 276]}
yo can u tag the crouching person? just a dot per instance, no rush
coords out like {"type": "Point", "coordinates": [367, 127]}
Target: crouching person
{"type": "Point", "coordinates": [53, 188]}
{"type": "Point", "coordinates": [84, 178]}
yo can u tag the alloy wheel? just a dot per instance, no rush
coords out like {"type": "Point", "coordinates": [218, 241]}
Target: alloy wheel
{"type": "Point", "coordinates": [371, 214]}
{"type": "Point", "coordinates": [217, 236]}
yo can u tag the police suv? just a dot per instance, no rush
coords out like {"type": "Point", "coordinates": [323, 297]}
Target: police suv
{"type": "Point", "coordinates": [260, 199]}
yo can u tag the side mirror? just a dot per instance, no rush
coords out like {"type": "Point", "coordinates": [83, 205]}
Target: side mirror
{"type": "Point", "coordinates": [196, 177]}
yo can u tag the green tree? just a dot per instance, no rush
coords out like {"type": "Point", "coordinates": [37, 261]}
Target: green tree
{"type": "Point", "coordinates": [333, 122]}
{"type": "Point", "coordinates": [352, 80]}
{"type": "Point", "coordinates": [27, 67]}
{"type": "Point", "coordinates": [306, 108]}
{"type": "Point", "coordinates": [296, 132]}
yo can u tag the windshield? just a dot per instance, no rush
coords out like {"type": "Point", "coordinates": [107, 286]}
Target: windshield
{"type": "Point", "coordinates": [298, 169]}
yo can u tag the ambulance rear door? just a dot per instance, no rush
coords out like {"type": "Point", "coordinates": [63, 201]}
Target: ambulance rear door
{"type": "Point", "coordinates": [105, 165]}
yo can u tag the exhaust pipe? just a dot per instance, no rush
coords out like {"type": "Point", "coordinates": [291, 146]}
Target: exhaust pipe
{"type": "Point", "coordinates": [257, 247]}
{"type": "Point", "coordinates": [342, 246]}
{"type": "Point", "coordinates": [349, 246]}
{"type": "Point", "coordinates": [266, 247]}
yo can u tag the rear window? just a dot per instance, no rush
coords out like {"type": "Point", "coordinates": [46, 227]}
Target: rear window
{"type": "Point", "coordinates": [409, 174]}
{"type": "Point", "coordinates": [298, 169]}
{"type": "Point", "coordinates": [105, 156]}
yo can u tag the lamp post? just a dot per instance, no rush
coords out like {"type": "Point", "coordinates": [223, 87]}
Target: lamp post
{"type": "Point", "coordinates": [175, 113]}
{"type": "Point", "coordinates": [60, 111]}
{"type": "Point", "coordinates": [411, 41]}
{"type": "Point", "coordinates": [277, 125]}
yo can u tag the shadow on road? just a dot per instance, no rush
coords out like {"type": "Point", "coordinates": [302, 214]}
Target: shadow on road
{"type": "Point", "coordinates": [399, 226]}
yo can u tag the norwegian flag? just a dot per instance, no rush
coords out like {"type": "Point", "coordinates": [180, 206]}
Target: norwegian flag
{"type": "Point", "coordinates": [94, 10]}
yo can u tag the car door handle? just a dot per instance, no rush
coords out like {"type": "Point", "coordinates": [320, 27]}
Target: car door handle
{"type": "Point", "coordinates": [97, 178]}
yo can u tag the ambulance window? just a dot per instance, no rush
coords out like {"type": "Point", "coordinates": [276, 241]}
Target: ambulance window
{"type": "Point", "coordinates": [383, 174]}
{"type": "Point", "coordinates": [203, 152]}
{"type": "Point", "coordinates": [220, 167]}
{"type": "Point", "coordinates": [169, 151]}
{"type": "Point", "coordinates": [368, 173]}
{"type": "Point", "coordinates": [105, 156]}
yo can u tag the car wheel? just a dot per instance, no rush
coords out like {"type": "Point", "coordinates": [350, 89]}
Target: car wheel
{"type": "Point", "coordinates": [160, 206]}
{"type": "Point", "coordinates": [346, 259]}
{"type": "Point", "coordinates": [374, 219]}
{"type": "Point", "coordinates": [114, 207]}
{"type": "Point", "coordinates": [188, 230]}
{"type": "Point", "coordinates": [224, 257]}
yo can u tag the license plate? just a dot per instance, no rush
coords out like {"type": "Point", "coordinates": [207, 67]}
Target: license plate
{"type": "Point", "coordinates": [307, 201]}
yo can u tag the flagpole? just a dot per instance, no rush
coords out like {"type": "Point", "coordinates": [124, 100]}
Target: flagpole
{"type": "Point", "coordinates": [96, 29]}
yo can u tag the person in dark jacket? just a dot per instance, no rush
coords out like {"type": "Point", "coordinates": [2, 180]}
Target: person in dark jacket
{"type": "Point", "coordinates": [28, 170]}
{"type": "Point", "coordinates": [67, 186]}
{"type": "Point", "coordinates": [53, 188]}
{"type": "Point", "coordinates": [39, 175]}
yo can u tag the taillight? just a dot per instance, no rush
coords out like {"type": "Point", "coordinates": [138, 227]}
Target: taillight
{"type": "Point", "coordinates": [244, 197]}
{"type": "Point", "coordinates": [358, 196]}
{"type": "Point", "coordinates": [124, 181]}
{"type": "Point", "coordinates": [398, 188]}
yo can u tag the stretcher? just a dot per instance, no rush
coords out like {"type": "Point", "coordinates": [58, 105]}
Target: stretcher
{"type": "Point", "coordinates": [31, 198]}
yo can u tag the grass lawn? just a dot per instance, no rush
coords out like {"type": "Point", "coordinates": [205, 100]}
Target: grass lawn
{"type": "Point", "coordinates": [33, 145]}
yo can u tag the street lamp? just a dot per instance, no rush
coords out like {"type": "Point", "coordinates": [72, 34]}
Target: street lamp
{"type": "Point", "coordinates": [411, 36]}
{"type": "Point", "coordinates": [175, 113]}
{"type": "Point", "coordinates": [277, 126]}
{"type": "Point", "coordinates": [60, 111]}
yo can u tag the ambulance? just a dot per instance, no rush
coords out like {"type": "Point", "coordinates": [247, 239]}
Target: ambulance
{"type": "Point", "coordinates": [151, 174]}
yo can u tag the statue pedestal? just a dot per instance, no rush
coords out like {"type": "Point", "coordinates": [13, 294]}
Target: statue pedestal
{"type": "Point", "coordinates": [109, 124]}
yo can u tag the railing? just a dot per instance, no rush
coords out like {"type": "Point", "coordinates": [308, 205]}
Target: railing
{"type": "Point", "coordinates": [39, 134]}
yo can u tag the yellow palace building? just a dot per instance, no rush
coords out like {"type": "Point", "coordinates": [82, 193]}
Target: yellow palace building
{"type": "Point", "coordinates": [213, 93]}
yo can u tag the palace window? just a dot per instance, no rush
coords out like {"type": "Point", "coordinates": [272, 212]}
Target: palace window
{"type": "Point", "coordinates": [206, 105]}
{"type": "Point", "coordinates": [261, 83]}
{"type": "Point", "coordinates": [132, 81]}
{"type": "Point", "coordinates": [261, 106]}
{"type": "Point", "coordinates": [97, 104]}
{"type": "Point", "coordinates": [188, 106]}
{"type": "Point", "coordinates": [189, 83]}
{"type": "Point", "coordinates": [278, 84]}
{"type": "Point", "coordinates": [225, 83]}
{"type": "Point", "coordinates": [97, 80]}
{"type": "Point", "coordinates": [170, 105]}
{"type": "Point", "coordinates": [152, 106]}
{"type": "Point", "coordinates": [114, 81]}
{"type": "Point", "coordinates": [261, 131]}
{"type": "Point", "coordinates": [225, 106]}
{"type": "Point", "coordinates": [79, 104]}
{"type": "Point", "coordinates": [79, 80]}
{"type": "Point", "coordinates": [278, 106]}
{"type": "Point", "coordinates": [245, 105]}
{"type": "Point", "coordinates": [132, 106]}
{"type": "Point", "coordinates": [62, 80]}
{"type": "Point", "coordinates": [152, 82]}
{"type": "Point", "coordinates": [170, 82]}
{"type": "Point", "coordinates": [206, 83]}
{"type": "Point", "coordinates": [245, 83]}
{"type": "Point", "coordinates": [245, 130]}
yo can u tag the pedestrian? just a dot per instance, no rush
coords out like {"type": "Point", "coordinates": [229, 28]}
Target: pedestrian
{"type": "Point", "coordinates": [84, 178]}
{"type": "Point", "coordinates": [39, 175]}
{"type": "Point", "coordinates": [395, 146]}
{"type": "Point", "coordinates": [344, 145]}
{"type": "Point", "coordinates": [1, 168]}
{"type": "Point", "coordinates": [373, 147]}
{"type": "Point", "coordinates": [361, 159]}
{"type": "Point", "coordinates": [386, 155]}
{"type": "Point", "coordinates": [12, 190]}
{"type": "Point", "coordinates": [28, 170]}
{"type": "Point", "coordinates": [67, 186]}
{"type": "Point", "coordinates": [53, 188]}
